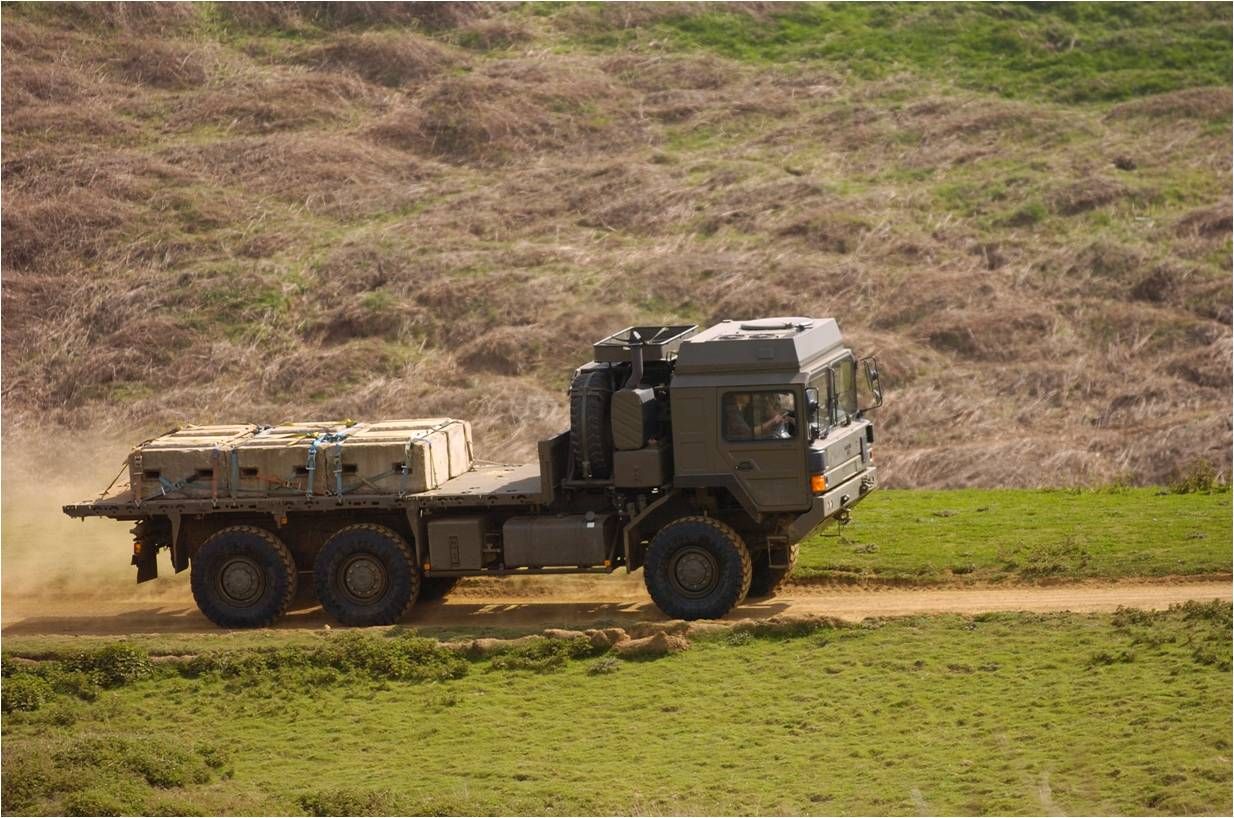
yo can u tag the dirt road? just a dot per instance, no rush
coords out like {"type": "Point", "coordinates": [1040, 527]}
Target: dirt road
{"type": "Point", "coordinates": [484, 604]}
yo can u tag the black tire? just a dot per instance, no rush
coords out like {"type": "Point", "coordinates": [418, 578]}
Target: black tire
{"type": "Point", "coordinates": [767, 581]}
{"type": "Point", "coordinates": [591, 431]}
{"type": "Point", "coordinates": [365, 575]}
{"type": "Point", "coordinates": [433, 589]}
{"type": "Point", "coordinates": [697, 568]}
{"type": "Point", "coordinates": [243, 577]}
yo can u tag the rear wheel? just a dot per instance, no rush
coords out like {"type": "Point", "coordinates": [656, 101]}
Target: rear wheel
{"type": "Point", "coordinates": [243, 577]}
{"type": "Point", "coordinates": [768, 581]}
{"type": "Point", "coordinates": [365, 576]}
{"type": "Point", "coordinates": [697, 568]}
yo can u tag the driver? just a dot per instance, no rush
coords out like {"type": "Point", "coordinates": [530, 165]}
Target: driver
{"type": "Point", "coordinates": [739, 423]}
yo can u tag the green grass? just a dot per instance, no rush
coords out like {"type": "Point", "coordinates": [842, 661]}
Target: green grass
{"type": "Point", "coordinates": [1018, 535]}
{"type": "Point", "coordinates": [1004, 713]}
{"type": "Point", "coordinates": [1082, 52]}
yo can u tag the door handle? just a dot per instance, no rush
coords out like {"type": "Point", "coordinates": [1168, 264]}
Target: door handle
{"type": "Point", "coordinates": [744, 465]}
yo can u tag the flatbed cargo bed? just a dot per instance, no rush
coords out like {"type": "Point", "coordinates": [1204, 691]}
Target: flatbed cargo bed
{"type": "Point", "coordinates": [482, 485]}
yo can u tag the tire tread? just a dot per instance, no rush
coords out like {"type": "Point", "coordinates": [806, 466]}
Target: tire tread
{"type": "Point", "coordinates": [401, 544]}
{"type": "Point", "coordinates": [279, 549]}
{"type": "Point", "coordinates": [729, 533]}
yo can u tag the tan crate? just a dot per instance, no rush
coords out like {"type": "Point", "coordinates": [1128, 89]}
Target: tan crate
{"type": "Point", "coordinates": [191, 462]}
{"type": "Point", "coordinates": [311, 457]}
{"type": "Point", "coordinates": [371, 458]}
{"type": "Point", "coordinates": [275, 460]}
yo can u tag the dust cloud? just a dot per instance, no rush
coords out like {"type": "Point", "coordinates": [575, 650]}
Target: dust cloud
{"type": "Point", "coordinates": [50, 561]}
{"type": "Point", "coordinates": [54, 565]}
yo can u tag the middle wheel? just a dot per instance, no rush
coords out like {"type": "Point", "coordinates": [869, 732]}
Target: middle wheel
{"type": "Point", "coordinates": [365, 575]}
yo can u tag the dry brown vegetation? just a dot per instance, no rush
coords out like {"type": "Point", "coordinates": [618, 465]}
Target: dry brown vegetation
{"type": "Point", "coordinates": [266, 211]}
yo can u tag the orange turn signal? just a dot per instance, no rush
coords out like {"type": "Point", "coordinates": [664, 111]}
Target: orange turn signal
{"type": "Point", "coordinates": [818, 483]}
{"type": "Point", "coordinates": [137, 548]}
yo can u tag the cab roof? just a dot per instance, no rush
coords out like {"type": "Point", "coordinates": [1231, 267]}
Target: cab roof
{"type": "Point", "coordinates": [789, 343]}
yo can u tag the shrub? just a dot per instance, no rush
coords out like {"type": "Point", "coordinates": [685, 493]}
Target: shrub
{"type": "Point", "coordinates": [27, 779]}
{"type": "Point", "coordinates": [1216, 611]}
{"type": "Point", "coordinates": [226, 663]}
{"type": "Point", "coordinates": [24, 691]}
{"type": "Point", "coordinates": [543, 655]}
{"type": "Point", "coordinates": [1198, 477]}
{"type": "Point", "coordinates": [402, 657]}
{"type": "Point", "coordinates": [158, 763]}
{"type": "Point", "coordinates": [605, 664]}
{"type": "Point", "coordinates": [104, 800]}
{"type": "Point", "coordinates": [77, 683]}
{"type": "Point", "coordinates": [347, 802]}
{"type": "Point", "coordinates": [113, 665]}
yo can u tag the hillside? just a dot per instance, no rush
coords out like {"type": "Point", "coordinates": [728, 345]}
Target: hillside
{"type": "Point", "coordinates": [221, 212]}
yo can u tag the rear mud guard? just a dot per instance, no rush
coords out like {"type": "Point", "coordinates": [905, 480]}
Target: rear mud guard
{"type": "Point", "coordinates": [179, 554]}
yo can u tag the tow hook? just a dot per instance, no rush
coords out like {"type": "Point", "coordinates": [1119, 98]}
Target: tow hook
{"type": "Point", "coordinates": [844, 516]}
{"type": "Point", "coordinates": [867, 483]}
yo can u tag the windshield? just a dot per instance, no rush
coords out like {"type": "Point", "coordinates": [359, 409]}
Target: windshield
{"type": "Point", "coordinates": [844, 400]}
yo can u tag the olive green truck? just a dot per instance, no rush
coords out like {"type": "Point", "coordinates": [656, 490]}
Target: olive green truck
{"type": "Point", "coordinates": [702, 457]}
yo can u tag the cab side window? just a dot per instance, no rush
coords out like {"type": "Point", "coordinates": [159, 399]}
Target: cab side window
{"type": "Point", "coordinates": [749, 416]}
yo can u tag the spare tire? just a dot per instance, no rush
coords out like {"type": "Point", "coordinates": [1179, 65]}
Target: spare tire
{"type": "Point", "coordinates": [591, 432]}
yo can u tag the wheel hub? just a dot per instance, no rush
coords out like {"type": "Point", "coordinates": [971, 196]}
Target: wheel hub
{"type": "Point", "coordinates": [364, 577]}
{"type": "Point", "coordinates": [694, 571]}
{"type": "Point", "coordinates": [241, 580]}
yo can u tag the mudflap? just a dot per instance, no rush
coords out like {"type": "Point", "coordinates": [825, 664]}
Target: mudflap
{"type": "Point", "coordinates": [147, 565]}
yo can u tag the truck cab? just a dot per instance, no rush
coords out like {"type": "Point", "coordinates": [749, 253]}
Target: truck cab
{"type": "Point", "coordinates": [768, 441]}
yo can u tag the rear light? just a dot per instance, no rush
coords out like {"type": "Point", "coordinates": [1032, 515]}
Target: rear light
{"type": "Point", "coordinates": [818, 483]}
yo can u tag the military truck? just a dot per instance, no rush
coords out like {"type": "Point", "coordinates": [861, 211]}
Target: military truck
{"type": "Point", "coordinates": [702, 458]}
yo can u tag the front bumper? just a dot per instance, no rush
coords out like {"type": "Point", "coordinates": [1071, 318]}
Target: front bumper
{"type": "Point", "coordinates": [826, 506]}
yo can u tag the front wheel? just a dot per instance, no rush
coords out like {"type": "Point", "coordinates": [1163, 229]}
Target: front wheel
{"type": "Point", "coordinates": [243, 577]}
{"type": "Point", "coordinates": [365, 575]}
{"type": "Point", "coordinates": [697, 568]}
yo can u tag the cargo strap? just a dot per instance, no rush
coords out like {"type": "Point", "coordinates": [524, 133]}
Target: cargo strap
{"type": "Point", "coordinates": [371, 482]}
{"type": "Point", "coordinates": [418, 438]}
{"type": "Point", "coordinates": [233, 479]}
{"type": "Point", "coordinates": [311, 465]}
{"type": "Point", "coordinates": [406, 470]}
{"type": "Point", "coordinates": [216, 454]}
{"type": "Point", "coordinates": [135, 477]}
{"type": "Point", "coordinates": [170, 487]}
{"type": "Point", "coordinates": [116, 479]}
{"type": "Point", "coordinates": [337, 439]}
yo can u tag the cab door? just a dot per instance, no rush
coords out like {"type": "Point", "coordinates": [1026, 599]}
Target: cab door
{"type": "Point", "coordinates": [760, 440]}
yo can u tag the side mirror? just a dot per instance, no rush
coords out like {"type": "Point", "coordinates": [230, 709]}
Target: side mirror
{"type": "Point", "coordinates": [812, 407]}
{"type": "Point", "coordinates": [873, 384]}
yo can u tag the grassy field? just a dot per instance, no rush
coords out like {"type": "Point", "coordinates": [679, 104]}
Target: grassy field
{"type": "Point", "coordinates": [1015, 714]}
{"type": "Point", "coordinates": [1010, 535]}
